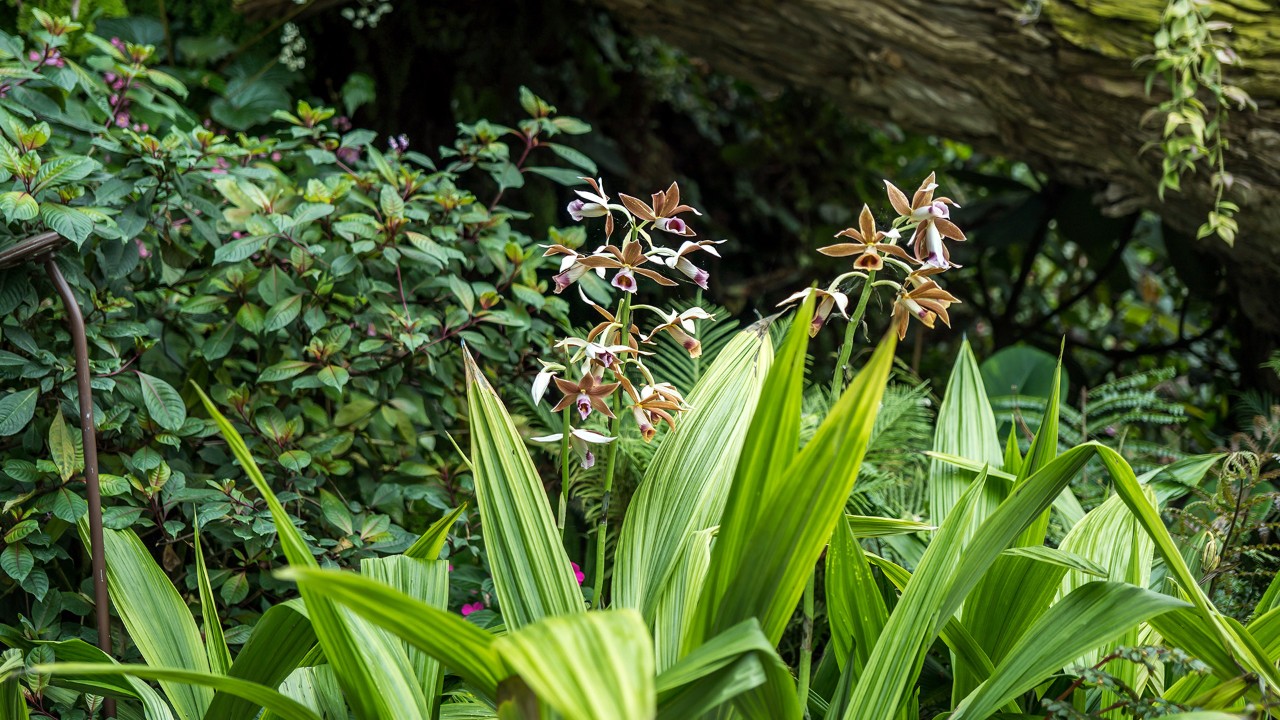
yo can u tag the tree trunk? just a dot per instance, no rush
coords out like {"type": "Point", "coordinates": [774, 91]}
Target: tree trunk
{"type": "Point", "coordinates": [1049, 82]}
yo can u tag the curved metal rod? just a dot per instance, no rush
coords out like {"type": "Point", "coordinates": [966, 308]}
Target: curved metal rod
{"type": "Point", "coordinates": [29, 249]}
{"type": "Point", "coordinates": [75, 323]}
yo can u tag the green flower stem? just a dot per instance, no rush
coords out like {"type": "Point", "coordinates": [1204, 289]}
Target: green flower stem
{"type": "Point", "coordinates": [624, 322]}
{"type": "Point", "coordinates": [837, 387]}
{"type": "Point", "coordinates": [846, 349]}
{"type": "Point", "coordinates": [564, 472]}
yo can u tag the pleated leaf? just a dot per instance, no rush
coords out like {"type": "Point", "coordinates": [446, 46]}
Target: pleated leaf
{"type": "Point", "coordinates": [1089, 616]}
{"type": "Point", "coordinates": [722, 670]}
{"type": "Point", "coordinates": [460, 646]}
{"type": "Point", "coordinates": [685, 487]}
{"type": "Point", "coordinates": [945, 576]}
{"type": "Point", "coordinates": [865, 526]}
{"type": "Point", "coordinates": [426, 581]}
{"type": "Point", "coordinates": [285, 707]}
{"type": "Point", "coordinates": [966, 427]}
{"type": "Point", "coordinates": [587, 665]}
{"type": "Point", "coordinates": [531, 572]}
{"type": "Point", "coordinates": [155, 616]}
{"type": "Point", "coordinates": [317, 688]}
{"type": "Point", "coordinates": [1233, 640]}
{"type": "Point", "coordinates": [855, 607]}
{"type": "Point", "coordinates": [679, 601]}
{"type": "Point", "coordinates": [13, 706]}
{"type": "Point", "coordinates": [782, 534]}
{"type": "Point", "coordinates": [374, 671]}
{"type": "Point", "coordinates": [78, 651]}
{"type": "Point", "coordinates": [280, 641]}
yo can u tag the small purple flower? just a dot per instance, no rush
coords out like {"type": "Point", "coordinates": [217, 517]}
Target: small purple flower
{"type": "Point", "coordinates": [569, 277]}
{"type": "Point", "coordinates": [624, 280]}
{"type": "Point", "coordinates": [472, 608]}
{"type": "Point", "coordinates": [588, 460]}
{"type": "Point", "coordinates": [399, 143]}
{"type": "Point", "coordinates": [342, 123]}
{"type": "Point", "coordinates": [579, 209]}
{"type": "Point", "coordinates": [122, 119]}
{"type": "Point", "coordinates": [349, 155]}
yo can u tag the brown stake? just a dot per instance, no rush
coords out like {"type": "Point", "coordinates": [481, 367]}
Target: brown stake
{"type": "Point", "coordinates": [40, 248]}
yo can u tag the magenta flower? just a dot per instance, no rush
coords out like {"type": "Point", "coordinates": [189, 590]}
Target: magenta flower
{"type": "Point", "coordinates": [471, 608]}
{"type": "Point", "coordinates": [577, 572]}
{"type": "Point", "coordinates": [143, 252]}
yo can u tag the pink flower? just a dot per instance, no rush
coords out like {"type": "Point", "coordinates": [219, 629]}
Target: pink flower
{"type": "Point", "coordinates": [673, 225]}
{"type": "Point", "coordinates": [577, 572]}
{"type": "Point", "coordinates": [143, 252]}
{"type": "Point", "coordinates": [349, 155]}
{"type": "Point", "coordinates": [33, 56]}
{"type": "Point", "coordinates": [472, 607]}
{"type": "Point", "coordinates": [122, 119]}
{"type": "Point", "coordinates": [276, 157]}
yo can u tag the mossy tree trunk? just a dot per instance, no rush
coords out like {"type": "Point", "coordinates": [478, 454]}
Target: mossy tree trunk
{"type": "Point", "coordinates": [1051, 82]}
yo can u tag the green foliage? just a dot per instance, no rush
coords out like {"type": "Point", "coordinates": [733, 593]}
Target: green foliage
{"type": "Point", "coordinates": [316, 284]}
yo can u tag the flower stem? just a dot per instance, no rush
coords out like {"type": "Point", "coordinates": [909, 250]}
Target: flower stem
{"type": "Point", "coordinates": [846, 349]}
{"type": "Point", "coordinates": [564, 473]}
{"type": "Point", "coordinates": [624, 325]}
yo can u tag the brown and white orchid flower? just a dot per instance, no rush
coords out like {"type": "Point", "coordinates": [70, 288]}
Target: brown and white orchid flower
{"type": "Point", "coordinates": [654, 404]}
{"type": "Point", "coordinates": [609, 320]}
{"type": "Point", "coordinates": [827, 301]}
{"type": "Point", "coordinates": [662, 213]}
{"type": "Point", "coordinates": [934, 222]}
{"type": "Point", "coordinates": [867, 244]}
{"type": "Point", "coordinates": [627, 261]}
{"type": "Point", "coordinates": [602, 355]}
{"type": "Point", "coordinates": [679, 259]}
{"type": "Point", "coordinates": [543, 379]}
{"type": "Point", "coordinates": [571, 267]}
{"type": "Point", "coordinates": [593, 204]}
{"type": "Point", "coordinates": [927, 302]}
{"type": "Point", "coordinates": [586, 395]}
{"type": "Point", "coordinates": [681, 327]}
{"type": "Point", "coordinates": [579, 438]}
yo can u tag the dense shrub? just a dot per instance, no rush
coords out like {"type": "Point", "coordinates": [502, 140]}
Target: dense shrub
{"type": "Point", "coordinates": [318, 285]}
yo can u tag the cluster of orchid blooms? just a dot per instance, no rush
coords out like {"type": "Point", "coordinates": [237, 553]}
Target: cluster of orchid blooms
{"type": "Point", "coordinates": [927, 221]}
{"type": "Point", "coordinates": [597, 365]}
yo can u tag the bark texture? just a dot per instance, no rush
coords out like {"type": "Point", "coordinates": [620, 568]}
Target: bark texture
{"type": "Point", "coordinates": [1050, 82]}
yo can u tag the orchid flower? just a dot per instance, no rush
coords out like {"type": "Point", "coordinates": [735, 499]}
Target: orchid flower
{"type": "Point", "coordinates": [828, 300]}
{"type": "Point", "coordinates": [679, 260]}
{"type": "Point", "coordinates": [627, 262]}
{"type": "Point", "coordinates": [680, 326]}
{"type": "Point", "coordinates": [934, 222]}
{"type": "Point", "coordinates": [543, 379]}
{"type": "Point", "coordinates": [594, 203]}
{"type": "Point", "coordinates": [579, 439]}
{"type": "Point", "coordinates": [586, 395]}
{"type": "Point", "coordinates": [662, 213]}
{"type": "Point", "coordinates": [926, 303]}
{"type": "Point", "coordinates": [867, 244]}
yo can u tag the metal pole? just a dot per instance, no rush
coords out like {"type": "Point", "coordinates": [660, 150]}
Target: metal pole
{"type": "Point", "coordinates": [37, 248]}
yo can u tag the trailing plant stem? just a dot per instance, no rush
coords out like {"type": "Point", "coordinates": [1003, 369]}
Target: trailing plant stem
{"type": "Point", "coordinates": [624, 324]}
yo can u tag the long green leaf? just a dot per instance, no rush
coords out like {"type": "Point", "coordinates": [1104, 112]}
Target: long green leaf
{"type": "Point", "coordinates": [966, 427]}
{"type": "Point", "coordinates": [531, 572]}
{"type": "Point", "coordinates": [280, 641]}
{"type": "Point", "coordinates": [460, 646]}
{"type": "Point", "coordinates": [718, 671]}
{"type": "Point", "coordinates": [945, 576]}
{"type": "Point", "coordinates": [283, 706]}
{"type": "Point", "coordinates": [431, 542]}
{"type": "Point", "coordinates": [215, 642]}
{"type": "Point", "coordinates": [1242, 648]}
{"type": "Point", "coordinates": [13, 706]}
{"type": "Point", "coordinates": [426, 581]}
{"type": "Point", "coordinates": [686, 484]}
{"type": "Point", "coordinates": [1090, 615]}
{"type": "Point", "coordinates": [679, 602]}
{"type": "Point", "coordinates": [316, 687]}
{"type": "Point", "coordinates": [865, 526]}
{"type": "Point", "coordinates": [155, 617]}
{"type": "Point", "coordinates": [78, 651]}
{"type": "Point", "coordinates": [375, 674]}
{"type": "Point", "coordinates": [855, 608]}
{"type": "Point", "coordinates": [804, 503]}
{"type": "Point", "coordinates": [587, 665]}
